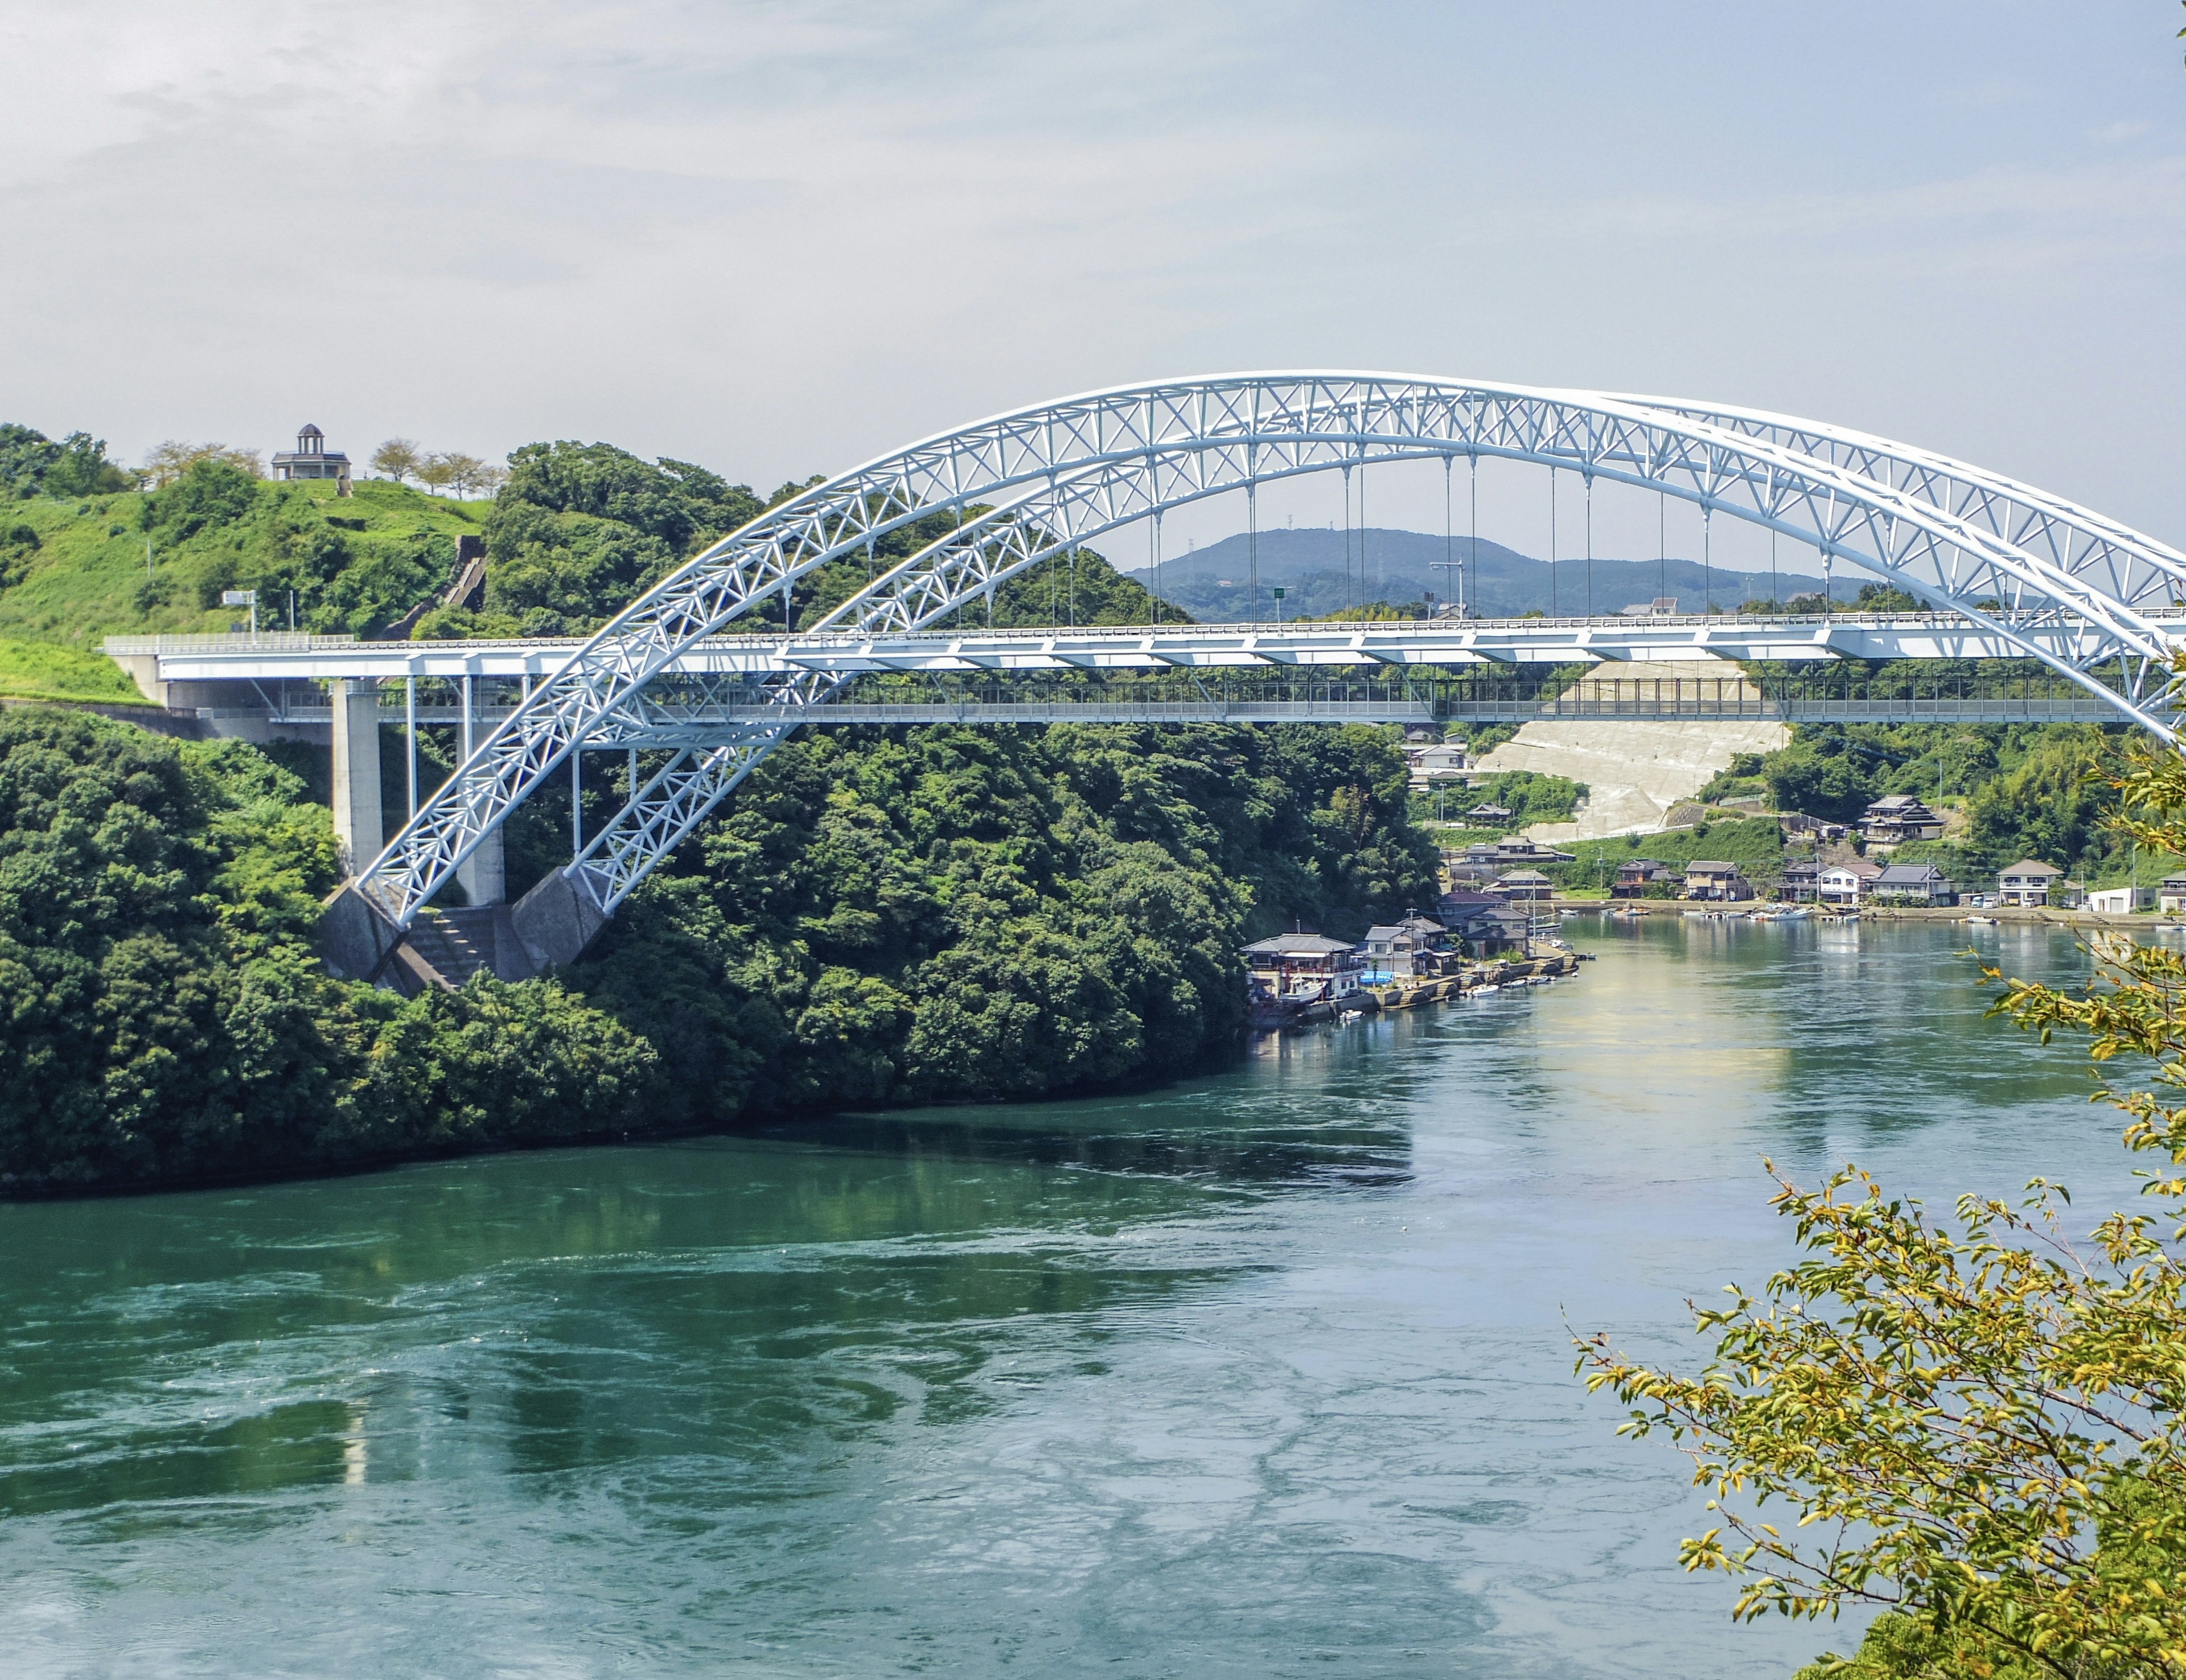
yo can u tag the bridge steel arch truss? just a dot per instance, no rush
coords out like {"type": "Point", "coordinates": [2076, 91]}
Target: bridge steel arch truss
{"type": "Point", "coordinates": [1028, 486]}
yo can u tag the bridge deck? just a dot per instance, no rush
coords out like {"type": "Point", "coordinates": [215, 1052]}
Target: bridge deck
{"type": "Point", "coordinates": [1445, 642]}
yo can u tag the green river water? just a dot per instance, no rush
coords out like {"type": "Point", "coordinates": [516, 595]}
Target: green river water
{"type": "Point", "coordinates": [1263, 1373]}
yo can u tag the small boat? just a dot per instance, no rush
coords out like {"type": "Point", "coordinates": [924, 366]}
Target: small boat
{"type": "Point", "coordinates": [1980, 921]}
{"type": "Point", "coordinates": [1484, 991]}
{"type": "Point", "coordinates": [1346, 1016]}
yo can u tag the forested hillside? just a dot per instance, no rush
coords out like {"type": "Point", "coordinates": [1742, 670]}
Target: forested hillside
{"type": "Point", "coordinates": [877, 916]}
{"type": "Point", "coordinates": [166, 1019]}
{"type": "Point", "coordinates": [2023, 790]}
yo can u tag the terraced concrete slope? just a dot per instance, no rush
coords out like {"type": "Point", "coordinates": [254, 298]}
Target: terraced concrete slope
{"type": "Point", "coordinates": [1636, 772]}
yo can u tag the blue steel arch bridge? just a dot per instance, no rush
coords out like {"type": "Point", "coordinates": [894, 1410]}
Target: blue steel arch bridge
{"type": "Point", "coordinates": [2005, 571]}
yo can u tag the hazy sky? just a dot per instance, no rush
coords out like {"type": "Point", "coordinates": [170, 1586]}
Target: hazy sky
{"type": "Point", "coordinates": [780, 239]}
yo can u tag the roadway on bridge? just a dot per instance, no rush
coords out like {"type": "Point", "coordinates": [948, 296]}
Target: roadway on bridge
{"type": "Point", "coordinates": [1444, 643]}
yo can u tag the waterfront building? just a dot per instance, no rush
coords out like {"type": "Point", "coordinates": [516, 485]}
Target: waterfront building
{"type": "Point", "coordinates": [311, 459]}
{"type": "Point", "coordinates": [1310, 968]}
{"type": "Point", "coordinates": [1716, 880]}
{"type": "Point", "coordinates": [1634, 875]}
{"type": "Point", "coordinates": [1842, 886]}
{"type": "Point", "coordinates": [1801, 883]}
{"type": "Point", "coordinates": [1482, 924]}
{"type": "Point", "coordinates": [2171, 893]}
{"type": "Point", "coordinates": [1896, 819]}
{"type": "Point", "coordinates": [2025, 885]}
{"type": "Point", "coordinates": [1414, 946]}
{"type": "Point", "coordinates": [1914, 884]}
{"type": "Point", "coordinates": [2121, 900]}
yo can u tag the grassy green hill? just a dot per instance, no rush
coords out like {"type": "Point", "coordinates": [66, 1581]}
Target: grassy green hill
{"type": "Point", "coordinates": [73, 571]}
{"type": "Point", "coordinates": [578, 531]}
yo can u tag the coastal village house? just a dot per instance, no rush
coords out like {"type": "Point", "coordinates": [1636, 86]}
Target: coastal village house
{"type": "Point", "coordinates": [2026, 883]}
{"type": "Point", "coordinates": [1636, 875]}
{"type": "Point", "coordinates": [1444, 762]}
{"type": "Point", "coordinates": [1524, 886]}
{"type": "Point", "coordinates": [1415, 946]}
{"type": "Point", "coordinates": [1901, 817]}
{"type": "Point", "coordinates": [1801, 883]}
{"type": "Point", "coordinates": [2120, 900]}
{"type": "Point", "coordinates": [1310, 966]}
{"type": "Point", "coordinates": [1482, 924]}
{"type": "Point", "coordinates": [310, 459]}
{"type": "Point", "coordinates": [1717, 882]}
{"type": "Point", "coordinates": [1489, 816]}
{"type": "Point", "coordinates": [1480, 863]}
{"type": "Point", "coordinates": [2171, 894]}
{"type": "Point", "coordinates": [1842, 886]}
{"type": "Point", "coordinates": [1914, 884]}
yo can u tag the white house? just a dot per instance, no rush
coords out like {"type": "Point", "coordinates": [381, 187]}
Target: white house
{"type": "Point", "coordinates": [2025, 884]}
{"type": "Point", "coordinates": [1442, 762]}
{"type": "Point", "coordinates": [1845, 885]}
{"type": "Point", "coordinates": [2121, 900]}
{"type": "Point", "coordinates": [2172, 894]}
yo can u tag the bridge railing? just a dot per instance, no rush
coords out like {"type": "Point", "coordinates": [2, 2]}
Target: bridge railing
{"type": "Point", "coordinates": [683, 708]}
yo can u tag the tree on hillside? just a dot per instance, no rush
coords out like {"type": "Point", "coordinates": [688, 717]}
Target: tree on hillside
{"type": "Point", "coordinates": [436, 473]}
{"type": "Point", "coordinates": [1983, 1427]}
{"type": "Point", "coordinates": [465, 472]}
{"type": "Point", "coordinates": [1882, 597]}
{"type": "Point", "coordinates": [678, 504]}
{"type": "Point", "coordinates": [170, 460]}
{"type": "Point", "coordinates": [396, 459]}
{"type": "Point", "coordinates": [33, 464]}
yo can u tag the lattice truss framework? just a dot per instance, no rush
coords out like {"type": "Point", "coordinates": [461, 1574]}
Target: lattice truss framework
{"type": "Point", "coordinates": [1027, 485]}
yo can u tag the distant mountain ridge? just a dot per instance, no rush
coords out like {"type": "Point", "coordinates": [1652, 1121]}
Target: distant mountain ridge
{"type": "Point", "coordinates": [1212, 584]}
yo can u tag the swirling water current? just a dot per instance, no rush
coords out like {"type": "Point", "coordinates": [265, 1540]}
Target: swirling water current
{"type": "Point", "coordinates": [1262, 1373]}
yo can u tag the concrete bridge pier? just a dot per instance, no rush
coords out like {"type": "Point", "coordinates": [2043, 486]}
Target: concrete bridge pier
{"type": "Point", "coordinates": [483, 875]}
{"type": "Point", "coordinates": [358, 830]}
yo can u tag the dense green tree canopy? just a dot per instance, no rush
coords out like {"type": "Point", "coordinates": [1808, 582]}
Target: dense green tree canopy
{"type": "Point", "coordinates": [581, 528]}
{"type": "Point", "coordinates": [167, 1018]}
{"type": "Point", "coordinates": [953, 913]}
{"type": "Point", "coordinates": [33, 464]}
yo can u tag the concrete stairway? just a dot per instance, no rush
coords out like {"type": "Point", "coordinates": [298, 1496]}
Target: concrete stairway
{"type": "Point", "coordinates": [446, 947]}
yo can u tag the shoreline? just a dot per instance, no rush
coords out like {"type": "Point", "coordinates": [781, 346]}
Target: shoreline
{"type": "Point", "coordinates": [2063, 918]}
